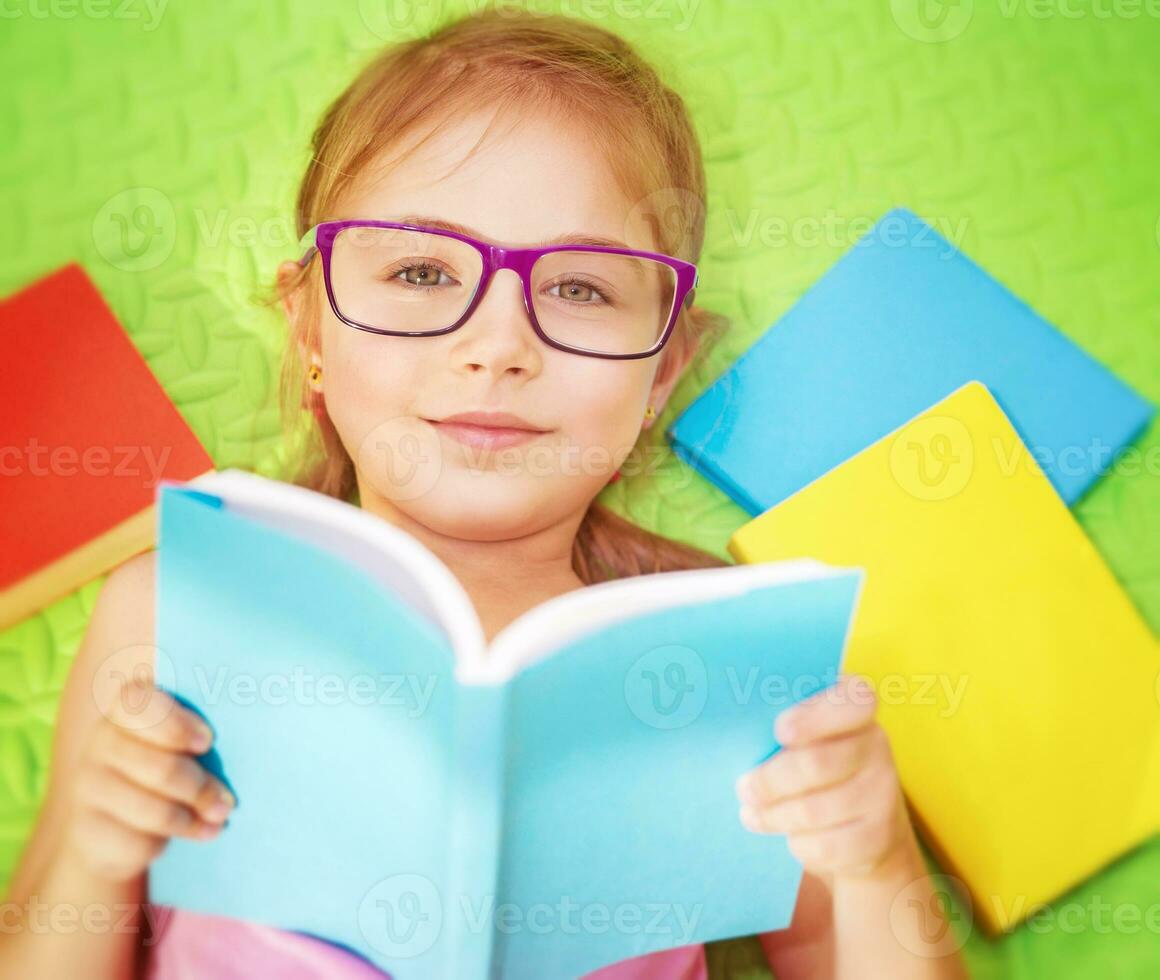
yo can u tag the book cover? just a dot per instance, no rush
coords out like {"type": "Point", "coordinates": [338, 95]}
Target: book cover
{"type": "Point", "coordinates": [900, 321]}
{"type": "Point", "coordinates": [87, 435]}
{"type": "Point", "coordinates": [541, 805]}
{"type": "Point", "coordinates": [1016, 680]}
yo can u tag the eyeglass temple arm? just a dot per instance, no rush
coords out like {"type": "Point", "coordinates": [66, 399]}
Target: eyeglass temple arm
{"type": "Point", "coordinates": [307, 245]}
{"type": "Point", "coordinates": [690, 294]}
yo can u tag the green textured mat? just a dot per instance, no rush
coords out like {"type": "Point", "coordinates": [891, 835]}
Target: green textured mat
{"type": "Point", "coordinates": [163, 153]}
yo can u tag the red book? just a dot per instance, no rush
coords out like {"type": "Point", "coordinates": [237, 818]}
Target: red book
{"type": "Point", "coordinates": [86, 433]}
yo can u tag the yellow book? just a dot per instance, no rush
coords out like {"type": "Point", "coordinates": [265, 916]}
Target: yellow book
{"type": "Point", "coordinates": [1019, 685]}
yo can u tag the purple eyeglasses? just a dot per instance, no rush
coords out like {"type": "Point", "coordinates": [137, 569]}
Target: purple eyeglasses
{"type": "Point", "coordinates": [617, 303]}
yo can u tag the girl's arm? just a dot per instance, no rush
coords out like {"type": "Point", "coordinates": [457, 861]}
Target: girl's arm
{"type": "Point", "coordinates": [48, 882]}
{"type": "Point", "coordinates": [121, 783]}
{"type": "Point", "coordinates": [66, 922]}
{"type": "Point", "coordinates": [894, 918]}
{"type": "Point", "coordinates": [867, 905]}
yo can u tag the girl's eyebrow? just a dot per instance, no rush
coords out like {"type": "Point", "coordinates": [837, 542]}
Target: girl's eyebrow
{"type": "Point", "coordinates": [573, 238]}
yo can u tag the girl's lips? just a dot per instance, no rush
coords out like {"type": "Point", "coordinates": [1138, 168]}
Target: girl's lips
{"type": "Point", "coordinates": [484, 436]}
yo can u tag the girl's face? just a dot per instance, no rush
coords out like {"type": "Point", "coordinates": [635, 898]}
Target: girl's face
{"type": "Point", "coordinates": [527, 185]}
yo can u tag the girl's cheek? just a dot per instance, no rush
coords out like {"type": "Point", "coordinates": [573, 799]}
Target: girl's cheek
{"type": "Point", "coordinates": [379, 377]}
{"type": "Point", "coordinates": [608, 441]}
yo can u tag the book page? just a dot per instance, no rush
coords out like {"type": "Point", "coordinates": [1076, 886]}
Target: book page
{"type": "Point", "coordinates": [397, 561]}
{"type": "Point", "coordinates": [626, 745]}
{"type": "Point", "coordinates": [336, 721]}
{"type": "Point", "coordinates": [558, 622]}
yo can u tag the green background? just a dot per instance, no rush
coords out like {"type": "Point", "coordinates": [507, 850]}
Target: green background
{"type": "Point", "coordinates": [162, 148]}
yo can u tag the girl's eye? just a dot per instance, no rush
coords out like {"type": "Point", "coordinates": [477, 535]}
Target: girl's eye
{"type": "Point", "coordinates": [578, 291]}
{"type": "Point", "coordinates": [424, 275]}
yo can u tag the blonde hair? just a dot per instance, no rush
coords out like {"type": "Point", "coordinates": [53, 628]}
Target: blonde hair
{"type": "Point", "coordinates": [503, 59]}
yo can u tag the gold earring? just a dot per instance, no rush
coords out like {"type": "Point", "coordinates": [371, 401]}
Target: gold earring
{"type": "Point", "coordinates": [315, 374]}
{"type": "Point", "coordinates": [650, 413]}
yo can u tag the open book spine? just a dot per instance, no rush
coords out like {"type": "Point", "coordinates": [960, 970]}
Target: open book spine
{"type": "Point", "coordinates": [476, 828]}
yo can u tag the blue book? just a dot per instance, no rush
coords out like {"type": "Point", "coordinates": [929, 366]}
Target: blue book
{"type": "Point", "coordinates": [897, 324]}
{"type": "Point", "coordinates": [542, 805]}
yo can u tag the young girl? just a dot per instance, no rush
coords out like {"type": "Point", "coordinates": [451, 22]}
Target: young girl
{"type": "Point", "coordinates": [484, 422]}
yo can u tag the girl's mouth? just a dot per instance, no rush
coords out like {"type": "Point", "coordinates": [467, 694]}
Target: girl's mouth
{"type": "Point", "coordinates": [484, 436]}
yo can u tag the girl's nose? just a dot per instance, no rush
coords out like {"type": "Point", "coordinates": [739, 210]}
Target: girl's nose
{"type": "Point", "coordinates": [499, 334]}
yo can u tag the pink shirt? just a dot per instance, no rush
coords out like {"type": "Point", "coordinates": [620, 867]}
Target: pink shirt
{"type": "Point", "coordinates": [191, 946]}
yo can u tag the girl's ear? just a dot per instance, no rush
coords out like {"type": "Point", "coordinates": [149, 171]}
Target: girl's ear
{"type": "Point", "coordinates": [290, 292]}
{"type": "Point", "coordinates": [310, 358]}
{"type": "Point", "coordinates": [288, 273]}
{"type": "Point", "coordinates": [674, 360]}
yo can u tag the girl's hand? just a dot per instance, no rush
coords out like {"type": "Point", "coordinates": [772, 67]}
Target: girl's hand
{"type": "Point", "coordinates": [832, 789]}
{"type": "Point", "coordinates": [137, 784]}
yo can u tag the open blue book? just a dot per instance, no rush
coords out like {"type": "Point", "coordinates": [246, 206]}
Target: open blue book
{"type": "Point", "coordinates": [541, 806]}
{"type": "Point", "coordinates": [898, 323]}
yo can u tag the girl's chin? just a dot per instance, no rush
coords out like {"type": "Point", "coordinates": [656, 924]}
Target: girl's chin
{"type": "Point", "coordinates": [489, 507]}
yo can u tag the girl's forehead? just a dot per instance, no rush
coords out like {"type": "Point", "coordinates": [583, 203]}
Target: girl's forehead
{"type": "Point", "coordinates": [524, 182]}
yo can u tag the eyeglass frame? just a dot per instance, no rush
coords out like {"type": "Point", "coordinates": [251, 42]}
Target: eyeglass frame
{"type": "Point", "coordinates": [494, 257]}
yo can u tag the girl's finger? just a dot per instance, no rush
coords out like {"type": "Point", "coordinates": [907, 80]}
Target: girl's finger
{"type": "Point", "coordinates": [832, 806]}
{"type": "Point", "coordinates": [113, 849]}
{"type": "Point", "coordinates": [108, 792]}
{"type": "Point", "coordinates": [805, 768]}
{"type": "Point", "coordinates": [854, 847]}
{"type": "Point", "coordinates": [174, 775]}
{"type": "Point", "coordinates": [844, 707]}
{"type": "Point", "coordinates": [153, 715]}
